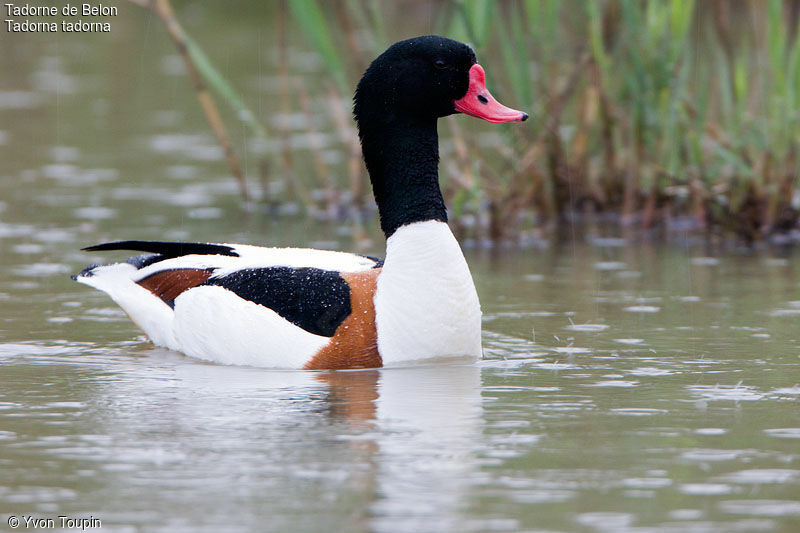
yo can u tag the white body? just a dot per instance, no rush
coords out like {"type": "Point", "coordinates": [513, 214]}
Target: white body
{"type": "Point", "coordinates": [426, 305]}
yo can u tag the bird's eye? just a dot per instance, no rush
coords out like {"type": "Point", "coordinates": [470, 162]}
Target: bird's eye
{"type": "Point", "coordinates": [439, 63]}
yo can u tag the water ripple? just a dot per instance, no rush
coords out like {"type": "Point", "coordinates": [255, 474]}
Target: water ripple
{"type": "Point", "coordinates": [642, 309]}
{"type": "Point", "coordinates": [783, 433]}
{"type": "Point", "coordinates": [761, 507]}
{"type": "Point", "coordinates": [705, 489]}
{"type": "Point", "coordinates": [587, 327]}
{"type": "Point", "coordinates": [737, 393]}
{"type": "Point", "coordinates": [758, 476]}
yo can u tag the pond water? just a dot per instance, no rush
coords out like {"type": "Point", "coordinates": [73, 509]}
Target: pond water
{"type": "Point", "coordinates": [626, 385]}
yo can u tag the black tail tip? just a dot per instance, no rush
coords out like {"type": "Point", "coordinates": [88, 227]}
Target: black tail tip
{"type": "Point", "coordinates": [85, 273]}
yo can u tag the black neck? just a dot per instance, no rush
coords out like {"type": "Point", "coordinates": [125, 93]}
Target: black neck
{"type": "Point", "coordinates": [402, 157]}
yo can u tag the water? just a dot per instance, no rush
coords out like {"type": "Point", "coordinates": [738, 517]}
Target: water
{"type": "Point", "coordinates": [680, 419]}
{"type": "Point", "coordinates": [626, 386]}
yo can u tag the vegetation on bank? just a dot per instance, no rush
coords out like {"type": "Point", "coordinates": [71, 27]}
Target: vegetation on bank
{"type": "Point", "coordinates": [652, 111]}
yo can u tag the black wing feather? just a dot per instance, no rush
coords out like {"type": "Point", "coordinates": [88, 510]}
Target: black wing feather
{"type": "Point", "coordinates": [165, 249]}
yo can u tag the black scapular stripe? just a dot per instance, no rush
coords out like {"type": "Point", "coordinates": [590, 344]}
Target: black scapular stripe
{"type": "Point", "coordinates": [378, 260]}
{"type": "Point", "coordinates": [314, 299]}
{"type": "Point", "coordinates": [166, 250]}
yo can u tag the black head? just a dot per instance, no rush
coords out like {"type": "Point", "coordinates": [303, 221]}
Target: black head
{"type": "Point", "coordinates": [397, 104]}
{"type": "Point", "coordinates": [419, 77]}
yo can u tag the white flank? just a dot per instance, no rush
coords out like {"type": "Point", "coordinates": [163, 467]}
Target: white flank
{"type": "Point", "coordinates": [214, 324]}
{"type": "Point", "coordinates": [426, 306]}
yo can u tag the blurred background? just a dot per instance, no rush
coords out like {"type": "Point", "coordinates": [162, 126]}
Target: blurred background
{"type": "Point", "coordinates": [675, 116]}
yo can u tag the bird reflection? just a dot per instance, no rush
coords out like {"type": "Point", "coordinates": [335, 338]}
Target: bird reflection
{"type": "Point", "coordinates": [352, 394]}
{"type": "Point", "coordinates": [419, 430]}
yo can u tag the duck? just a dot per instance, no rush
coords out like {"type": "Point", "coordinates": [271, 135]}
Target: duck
{"type": "Point", "coordinates": [299, 308]}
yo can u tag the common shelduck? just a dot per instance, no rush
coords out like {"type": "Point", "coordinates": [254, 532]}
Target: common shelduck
{"type": "Point", "coordinates": [316, 309]}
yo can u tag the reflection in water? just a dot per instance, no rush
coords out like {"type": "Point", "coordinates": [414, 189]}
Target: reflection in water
{"type": "Point", "coordinates": [429, 422]}
{"type": "Point", "coordinates": [427, 425]}
{"type": "Point", "coordinates": [352, 395]}
{"type": "Point", "coordinates": [145, 443]}
{"type": "Point", "coordinates": [147, 439]}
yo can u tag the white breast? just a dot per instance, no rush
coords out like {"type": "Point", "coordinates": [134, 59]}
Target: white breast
{"type": "Point", "coordinates": [426, 306]}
